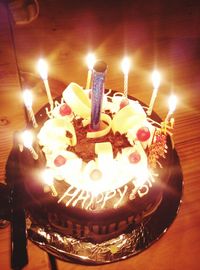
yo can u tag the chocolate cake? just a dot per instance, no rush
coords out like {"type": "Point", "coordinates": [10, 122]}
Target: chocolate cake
{"type": "Point", "coordinates": [105, 182]}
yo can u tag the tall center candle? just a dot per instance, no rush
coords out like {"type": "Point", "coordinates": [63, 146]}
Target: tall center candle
{"type": "Point", "coordinates": [97, 93]}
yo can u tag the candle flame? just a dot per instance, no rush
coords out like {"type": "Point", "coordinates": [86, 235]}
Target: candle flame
{"type": "Point", "coordinates": [27, 96]}
{"type": "Point", "coordinates": [47, 177]}
{"type": "Point", "coordinates": [156, 78]}
{"type": "Point", "coordinates": [90, 59]}
{"type": "Point", "coordinates": [42, 67]}
{"type": "Point", "coordinates": [172, 103]}
{"type": "Point", "coordinates": [27, 138]}
{"type": "Point", "coordinates": [125, 65]}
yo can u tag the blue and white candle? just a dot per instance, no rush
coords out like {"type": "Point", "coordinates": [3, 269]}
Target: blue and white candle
{"type": "Point", "coordinates": [97, 93]}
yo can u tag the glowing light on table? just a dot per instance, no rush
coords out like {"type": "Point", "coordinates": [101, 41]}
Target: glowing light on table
{"type": "Point", "coordinates": [28, 100]}
{"type": "Point", "coordinates": [27, 138]}
{"type": "Point", "coordinates": [90, 59]}
{"type": "Point", "coordinates": [125, 69]}
{"type": "Point", "coordinates": [156, 78]}
{"type": "Point", "coordinates": [43, 71]}
{"type": "Point", "coordinates": [48, 179]}
{"type": "Point", "coordinates": [172, 106]}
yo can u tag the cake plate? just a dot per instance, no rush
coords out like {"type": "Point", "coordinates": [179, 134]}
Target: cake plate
{"type": "Point", "coordinates": [125, 245]}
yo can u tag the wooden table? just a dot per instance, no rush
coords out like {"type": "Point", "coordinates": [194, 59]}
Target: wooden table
{"type": "Point", "coordinates": [162, 34]}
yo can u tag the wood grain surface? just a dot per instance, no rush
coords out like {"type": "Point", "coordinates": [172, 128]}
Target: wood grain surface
{"type": "Point", "coordinates": [162, 34]}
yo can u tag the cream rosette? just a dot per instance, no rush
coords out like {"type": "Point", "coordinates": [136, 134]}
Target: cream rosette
{"type": "Point", "coordinates": [52, 135]}
{"type": "Point", "coordinates": [68, 169]}
{"type": "Point", "coordinates": [127, 170]}
{"type": "Point", "coordinates": [129, 120]}
{"type": "Point", "coordinates": [105, 180]}
{"type": "Point", "coordinates": [129, 116]}
{"type": "Point", "coordinates": [132, 133]}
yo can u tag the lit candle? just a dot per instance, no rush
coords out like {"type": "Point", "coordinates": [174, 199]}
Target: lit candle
{"type": "Point", "coordinates": [125, 69]}
{"type": "Point", "coordinates": [27, 95]}
{"type": "Point", "coordinates": [43, 71]}
{"type": "Point", "coordinates": [90, 59]}
{"type": "Point", "coordinates": [27, 138]}
{"type": "Point", "coordinates": [48, 180]}
{"type": "Point", "coordinates": [97, 93]}
{"type": "Point", "coordinates": [156, 83]}
{"type": "Point", "coordinates": [172, 106]}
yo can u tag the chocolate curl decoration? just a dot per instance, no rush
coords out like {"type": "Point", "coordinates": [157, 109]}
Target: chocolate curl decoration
{"type": "Point", "coordinates": [97, 93]}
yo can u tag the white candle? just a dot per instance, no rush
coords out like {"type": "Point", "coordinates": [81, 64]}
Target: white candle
{"type": "Point", "coordinates": [172, 106]}
{"type": "Point", "coordinates": [43, 71]}
{"type": "Point", "coordinates": [48, 180]}
{"type": "Point", "coordinates": [28, 141]}
{"type": "Point", "coordinates": [90, 59]}
{"type": "Point", "coordinates": [156, 83]}
{"type": "Point", "coordinates": [125, 69]}
{"type": "Point", "coordinates": [172, 122]}
{"type": "Point", "coordinates": [28, 100]}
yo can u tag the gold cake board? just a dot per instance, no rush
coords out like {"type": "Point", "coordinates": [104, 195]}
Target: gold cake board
{"type": "Point", "coordinates": [125, 245]}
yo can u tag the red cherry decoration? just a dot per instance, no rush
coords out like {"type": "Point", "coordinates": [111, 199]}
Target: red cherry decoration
{"type": "Point", "coordinates": [134, 157]}
{"type": "Point", "coordinates": [65, 110]}
{"type": "Point", "coordinates": [143, 134]}
{"type": "Point", "coordinates": [59, 161]}
{"type": "Point", "coordinates": [124, 103]}
{"type": "Point", "coordinates": [95, 174]}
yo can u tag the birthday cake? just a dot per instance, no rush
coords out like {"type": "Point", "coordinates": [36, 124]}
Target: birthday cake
{"type": "Point", "coordinates": [93, 184]}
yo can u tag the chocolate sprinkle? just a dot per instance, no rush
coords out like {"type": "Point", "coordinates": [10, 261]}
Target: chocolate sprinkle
{"type": "Point", "coordinates": [85, 147]}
